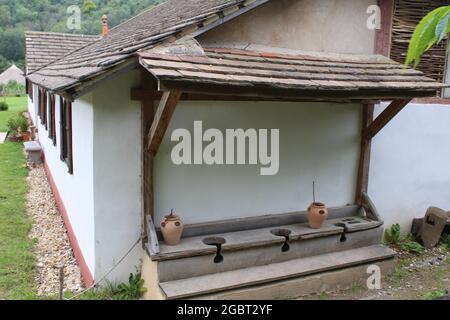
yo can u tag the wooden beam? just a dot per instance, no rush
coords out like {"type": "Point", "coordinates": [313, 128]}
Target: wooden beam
{"type": "Point", "coordinates": [147, 116]}
{"type": "Point", "coordinates": [139, 94]}
{"type": "Point", "coordinates": [280, 93]}
{"type": "Point", "coordinates": [383, 119]}
{"type": "Point", "coordinates": [162, 118]}
{"type": "Point", "coordinates": [362, 183]}
{"type": "Point", "coordinates": [383, 36]}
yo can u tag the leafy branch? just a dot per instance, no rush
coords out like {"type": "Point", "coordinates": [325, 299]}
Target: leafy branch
{"type": "Point", "coordinates": [431, 30]}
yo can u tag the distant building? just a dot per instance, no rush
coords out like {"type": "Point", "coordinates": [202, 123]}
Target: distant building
{"type": "Point", "coordinates": [13, 73]}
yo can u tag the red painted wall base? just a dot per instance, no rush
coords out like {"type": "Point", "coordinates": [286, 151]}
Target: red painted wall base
{"type": "Point", "coordinates": [86, 274]}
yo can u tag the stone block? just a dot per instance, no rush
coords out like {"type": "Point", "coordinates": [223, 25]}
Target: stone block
{"type": "Point", "coordinates": [33, 152]}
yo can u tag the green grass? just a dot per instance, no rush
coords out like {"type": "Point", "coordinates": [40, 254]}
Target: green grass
{"type": "Point", "coordinates": [16, 105]}
{"type": "Point", "coordinates": [16, 256]}
{"type": "Point", "coordinates": [435, 294]}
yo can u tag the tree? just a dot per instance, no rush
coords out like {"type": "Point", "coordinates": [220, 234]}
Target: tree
{"type": "Point", "coordinates": [431, 30]}
{"type": "Point", "coordinates": [88, 6]}
{"type": "Point", "coordinates": [4, 63]}
{"type": "Point", "coordinates": [17, 16]}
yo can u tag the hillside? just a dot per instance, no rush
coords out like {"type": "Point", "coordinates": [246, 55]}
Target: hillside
{"type": "Point", "coordinates": [17, 16]}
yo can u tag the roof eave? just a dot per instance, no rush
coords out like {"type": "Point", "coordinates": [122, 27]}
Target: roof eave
{"type": "Point", "coordinates": [284, 93]}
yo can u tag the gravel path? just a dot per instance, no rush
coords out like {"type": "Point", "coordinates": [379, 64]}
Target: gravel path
{"type": "Point", "coordinates": [52, 249]}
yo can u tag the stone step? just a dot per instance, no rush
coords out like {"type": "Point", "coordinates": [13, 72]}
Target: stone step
{"type": "Point", "coordinates": [271, 252]}
{"type": "Point", "coordinates": [254, 276]}
{"type": "Point", "coordinates": [3, 136]}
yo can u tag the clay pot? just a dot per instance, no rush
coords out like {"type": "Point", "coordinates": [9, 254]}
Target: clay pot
{"type": "Point", "coordinates": [26, 136]}
{"type": "Point", "coordinates": [317, 214]}
{"type": "Point", "coordinates": [172, 229]}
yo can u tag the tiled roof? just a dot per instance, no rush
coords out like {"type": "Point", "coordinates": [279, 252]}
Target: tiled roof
{"type": "Point", "coordinates": [13, 73]}
{"type": "Point", "coordinates": [256, 71]}
{"type": "Point", "coordinates": [43, 48]}
{"type": "Point", "coordinates": [161, 23]}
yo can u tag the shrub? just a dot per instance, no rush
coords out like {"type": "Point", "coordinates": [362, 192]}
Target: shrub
{"type": "Point", "coordinates": [12, 124]}
{"type": "Point", "coordinates": [392, 235]}
{"type": "Point", "coordinates": [17, 123]}
{"type": "Point", "coordinates": [412, 246]}
{"type": "Point", "coordinates": [132, 290]}
{"type": "Point", "coordinates": [3, 106]}
{"type": "Point", "coordinates": [445, 241]}
{"type": "Point", "coordinates": [22, 123]}
{"type": "Point", "coordinates": [13, 88]}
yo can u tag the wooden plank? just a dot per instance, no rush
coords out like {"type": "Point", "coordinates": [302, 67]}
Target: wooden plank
{"type": "Point", "coordinates": [387, 115]}
{"type": "Point", "coordinates": [283, 92]}
{"type": "Point", "coordinates": [263, 221]}
{"type": "Point", "coordinates": [362, 183]}
{"type": "Point", "coordinates": [162, 118]}
{"type": "Point", "coordinates": [184, 288]}
{"type": "Point", "coordinates": [370, 208]}
{"type": "Point", "coordinates": [153, 242]}
{"type": "Point", "coordinates": [140, 94]}
{"type": "Point", "coordinates": [243, 240]}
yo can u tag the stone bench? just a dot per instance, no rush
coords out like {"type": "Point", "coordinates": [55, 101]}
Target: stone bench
{"type": "Point", "coordinates": [33, 152]}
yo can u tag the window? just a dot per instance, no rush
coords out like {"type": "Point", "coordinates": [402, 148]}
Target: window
{"type": "Point", "coordinates": [66, 133]}
{"type": "Point", "coordinates": [52, 119]}
{"type": "Point", "coordinates": [38, 96]}
{"type": "Point", "coordinates": [407, 15]}
{"type": "Point", "coordinates": [42, 110]}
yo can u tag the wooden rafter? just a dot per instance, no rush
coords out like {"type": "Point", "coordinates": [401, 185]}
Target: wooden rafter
{"type": "Point", "coordinates": [162, 118]}
{"type": "Point", "coordinates": [383, 119]}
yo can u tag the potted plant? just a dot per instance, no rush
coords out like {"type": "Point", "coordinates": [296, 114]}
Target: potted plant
{"type": "Point", "coordinates": [13, 126]}
{"type": "Point", "coordinates": [23, 127]}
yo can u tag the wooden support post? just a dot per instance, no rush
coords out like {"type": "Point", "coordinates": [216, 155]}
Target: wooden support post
{"type": "Point", "coordinates": [383, 119]}
{"type": "Point", "coordinates": [147, 115]}
{"type": "Point", "coordinates": [383, 36]}
{"type": "Point", "coordinates": [364, 159]}
{"type": "Point", "coordinates": [162, 118]}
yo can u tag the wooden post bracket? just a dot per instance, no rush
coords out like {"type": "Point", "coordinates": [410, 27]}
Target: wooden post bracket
{"type": "Point", "coordinates": [383, 119]}
{"type": "Point", "coordinates": [162, 118]}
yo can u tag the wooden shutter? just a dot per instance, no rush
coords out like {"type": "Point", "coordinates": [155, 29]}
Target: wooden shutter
{"type": "Point", "coordinates": [62, 127]}
{"type": "Point", "coordinates": [52, 120]}
{"type": "Point", "coordinates": [69, 136]}
{"type": "Point", "coordinates": [407, 15]}
{"type": "Point", "coordinates": [45, 110]}
{"type": "Point", "coordinates": [66, 133]}
{"type": "Point", "coordinates": [41, 105]}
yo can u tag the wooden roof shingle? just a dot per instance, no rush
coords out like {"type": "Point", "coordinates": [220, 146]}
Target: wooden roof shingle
{"type": "Point", "coordinates": [43, 48]}
{"type": "Point", "coordinates": [255, 72]}
{"type": "Point", "coordinates": [172, 18]}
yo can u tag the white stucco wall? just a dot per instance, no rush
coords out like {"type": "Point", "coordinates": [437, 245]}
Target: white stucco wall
{"type": "Point", "coordinates": [76, 190]}
{"type": "Point", "coordinates": [316, 25]}
{"type": "Point", "coordinates": [117, 176]}
{"type": "Point", "coordinates": [317, 142]}
{"type": "Point", "coordinates": [410, 164]}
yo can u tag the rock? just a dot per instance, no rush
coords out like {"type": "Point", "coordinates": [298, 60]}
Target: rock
{"type": "Point", "coordinates": [432, 227]}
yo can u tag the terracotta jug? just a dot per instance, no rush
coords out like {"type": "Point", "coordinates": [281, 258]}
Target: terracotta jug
{"type": "Point", "coordinates": [172, 229]}
{"type": "Point", "coordinates": [317, 214]}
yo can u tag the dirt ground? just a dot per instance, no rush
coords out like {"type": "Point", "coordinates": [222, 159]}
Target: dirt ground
{"type": "Point", "coordinates": [416, 277]}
